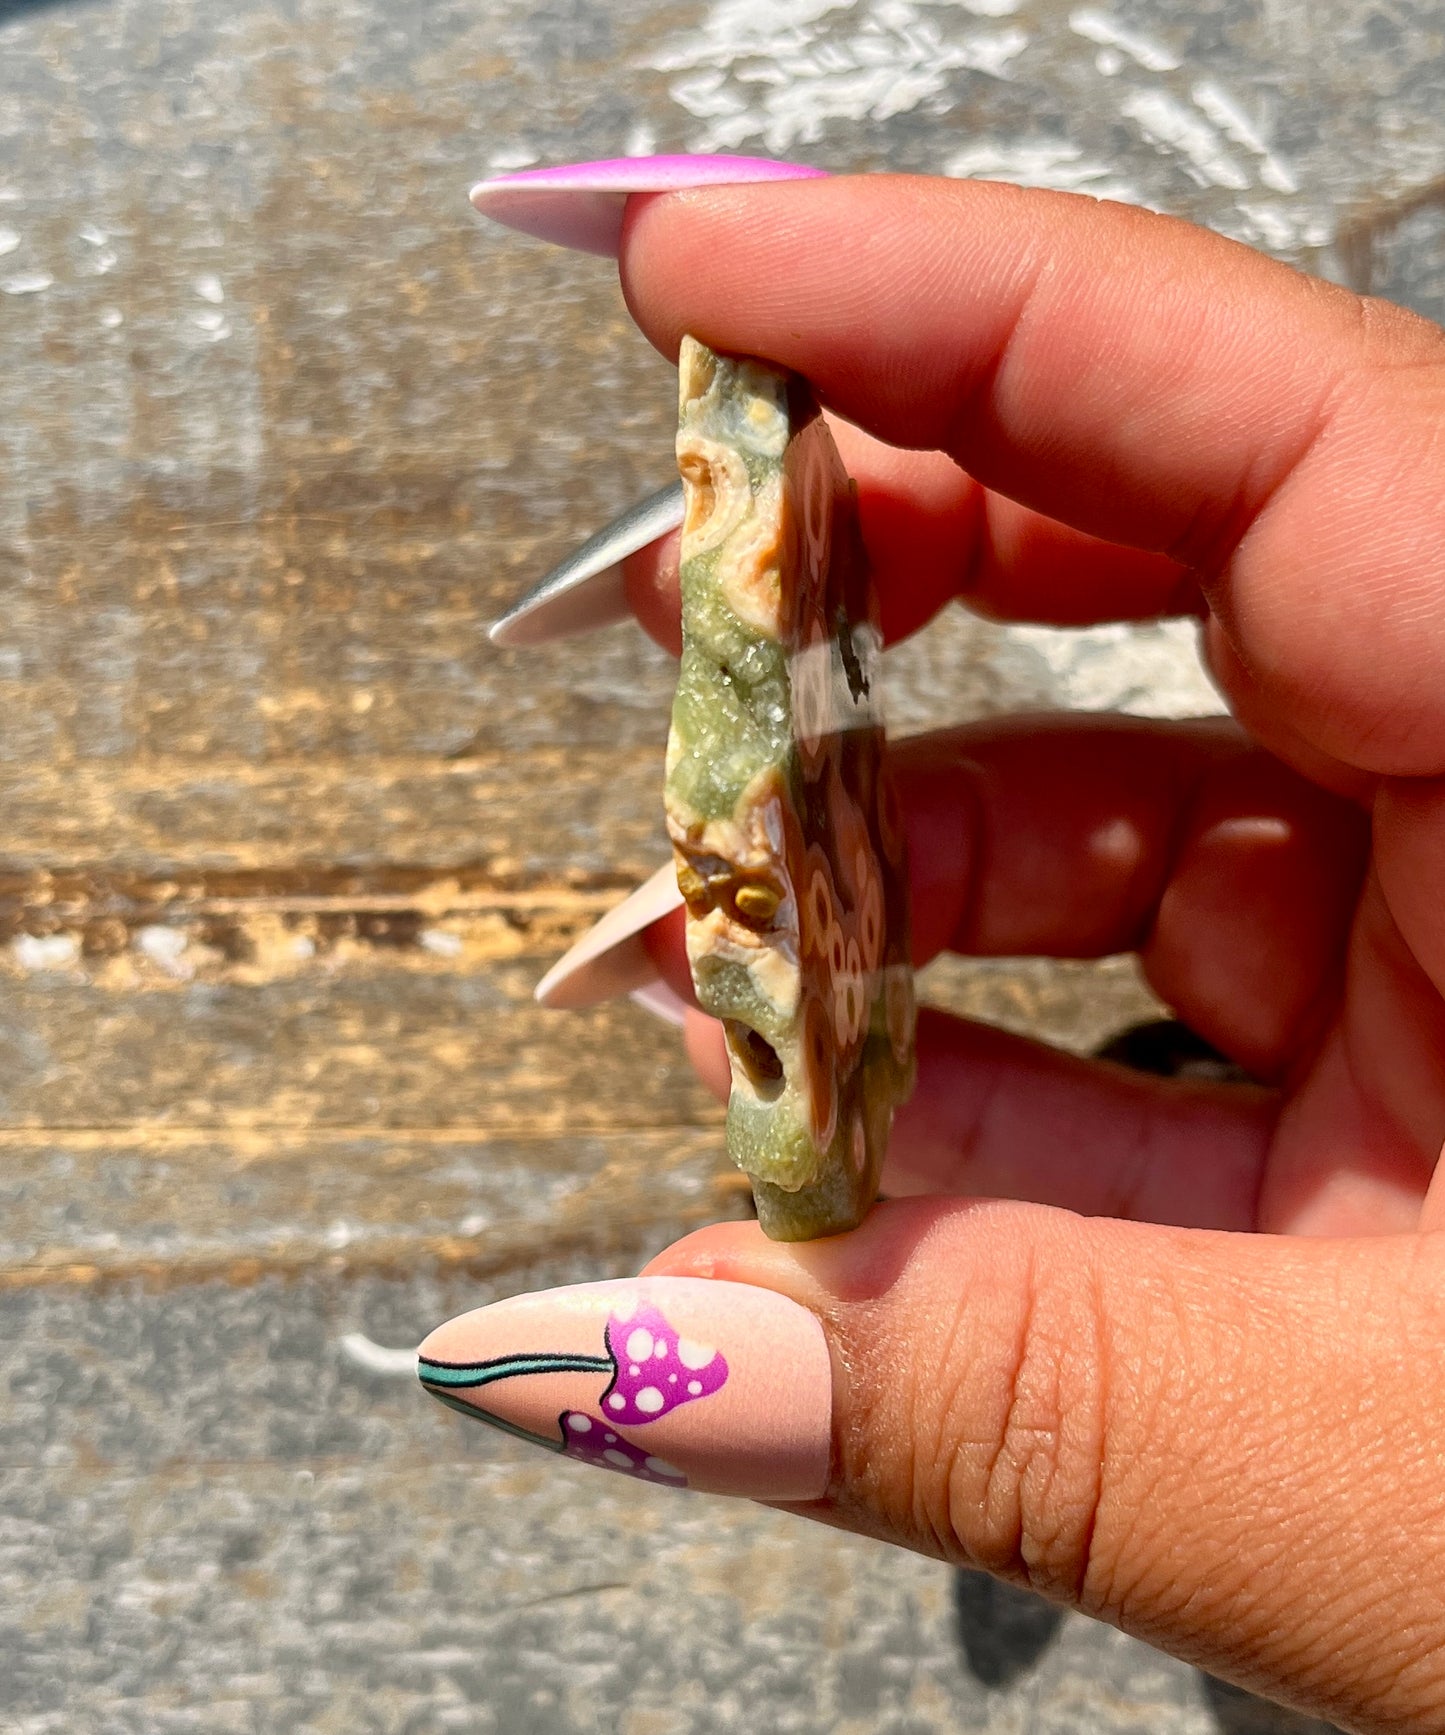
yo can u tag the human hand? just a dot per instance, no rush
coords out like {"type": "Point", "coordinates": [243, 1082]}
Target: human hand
{"type": "Point", "coordinates": [1067, 1361]}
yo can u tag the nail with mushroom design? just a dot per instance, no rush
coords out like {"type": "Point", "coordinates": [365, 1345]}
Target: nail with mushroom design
{"type": "Point", "coordinates": [656, 1369]}
{"type": "Point", "coordinates": [632, 1378]}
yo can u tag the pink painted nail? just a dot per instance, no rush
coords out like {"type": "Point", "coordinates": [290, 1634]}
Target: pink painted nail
{"type": "Point", "coordinates": [678, 1380]}
{"type": "Point", "coordinates": [612, 959]}
{"type": "Point", "coordinates": [581, 204]}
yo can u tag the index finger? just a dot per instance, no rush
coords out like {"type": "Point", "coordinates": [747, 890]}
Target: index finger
{"type": "Point", "coordinates": [1139, 379]}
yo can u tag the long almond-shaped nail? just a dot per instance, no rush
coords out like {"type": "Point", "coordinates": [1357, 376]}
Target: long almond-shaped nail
{"type": "Point", "coordinates": [581, 204]}
{"type": "Point", "coordinates": [586, 591]}
{"type": "Point", "coordinates": [678, 1380]}
{"type": "Point", "coordinates": [612, 959]}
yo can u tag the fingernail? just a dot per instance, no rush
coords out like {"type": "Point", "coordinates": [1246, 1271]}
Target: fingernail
{"type": "Point", "coordinates": [663, 1001]}
{"type": "Point", "coordinates": [611, 959]}
{"type": "Point", "coordinates": [580, 205]}
{"type": "Point", "coordinates": [585, 591]}
{"type": "Point", "coordinates": [679, 1380]}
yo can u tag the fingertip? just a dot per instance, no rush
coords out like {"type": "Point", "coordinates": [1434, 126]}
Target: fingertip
{"type": "Point", "coordinates": [706, 1049]}
{"type": "Point", "coordinates": [650, 581]}
{"type": "Point", "coordinates": [666, 943]}
{"type": "Point", "coordinates": [860, 1265]}
{"type": "Point", "coordinates": [723, 1251]}
{"type": "Point", "coordinates": [634, 251]}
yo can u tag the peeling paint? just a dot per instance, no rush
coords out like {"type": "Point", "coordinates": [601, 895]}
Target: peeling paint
{"type": "Point", "coordinates": [1097, 26]}
{"type": "Point", "coordinates": [26, 283]}
{"type": "Point", "coordinates": [1042, 162]}
{"type": "Point", "coordinates": [45, 952]}
{"type": "Point", "coordinates": [1166, 121]}
{"type": "Point", "coordinates": [1141, 671]}
{"type": "Point", "coordinates": [1220, 107]}
{"type": "Point", "coordinates": [783, 75]}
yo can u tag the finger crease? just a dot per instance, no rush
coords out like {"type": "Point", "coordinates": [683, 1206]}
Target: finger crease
{"type": "Point", "coordinates": [962, 424]}
{"type": "Point", "coordinates": [1213, 538]}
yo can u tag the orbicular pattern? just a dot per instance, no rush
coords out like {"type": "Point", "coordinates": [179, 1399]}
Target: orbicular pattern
{"type": "Point", "coordinates": [787, 837]}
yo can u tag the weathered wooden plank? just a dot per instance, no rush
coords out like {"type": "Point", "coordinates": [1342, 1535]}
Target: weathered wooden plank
{"type": "Point", "coordinates": [177, 1204]}
{"type": "Point", "coordinates": [582, 808]}
{"type": "Point", "coordinates": [243, 1000]}
{"type": "Point", "coordinates": [371, 1047]}
{"type": "Point", "coordinates": [185, 683]}
{"type": "Point", "coordinates": [1076, 1004]}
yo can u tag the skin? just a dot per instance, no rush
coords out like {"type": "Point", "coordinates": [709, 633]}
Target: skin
{"type": "Point", "coordinates": [1169, 1352]}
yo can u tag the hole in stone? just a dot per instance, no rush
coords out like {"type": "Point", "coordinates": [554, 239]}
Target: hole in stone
{"type": "Point", "coordinates": [758, 1059]}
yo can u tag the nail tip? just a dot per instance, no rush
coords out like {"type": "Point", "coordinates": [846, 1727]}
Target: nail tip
{"type": "Point", "coordinates": [612, 958]}
{"type": "Point", "coordinates": [553, 610]}
{"type": "Point", "coordinates": [543, 992]}
{"type": "Point", "coordinates": [661, 1001]}
{"type": "Point", "coordinates": [555, 978]}
{"type": "Point", "coordinates": [587, 590]}
{"type": "Point", "coordinates": [580, 205]}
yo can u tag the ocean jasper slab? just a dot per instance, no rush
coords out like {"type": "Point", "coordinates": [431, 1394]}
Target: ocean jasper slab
{"type": "Point", "coordinates": [786, 834]}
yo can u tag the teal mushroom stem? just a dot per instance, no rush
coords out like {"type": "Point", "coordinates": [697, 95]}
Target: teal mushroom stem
{"type": "Point", "coordinates": [441, 1379]}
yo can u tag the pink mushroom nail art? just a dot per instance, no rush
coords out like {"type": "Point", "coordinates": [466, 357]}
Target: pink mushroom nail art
{"type": "Point", "coordinates": [653, 1371]}
{"type": "Point", "coordinates": [589, 1440]}
{"type": "Point", "coordinates": [632, 1378]}
{"type": "Point", "coordinates": [656, 1369]}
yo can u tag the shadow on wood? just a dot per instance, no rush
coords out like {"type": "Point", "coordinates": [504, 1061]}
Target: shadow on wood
{"type": "Point", "coordinates": [1003, 1631]}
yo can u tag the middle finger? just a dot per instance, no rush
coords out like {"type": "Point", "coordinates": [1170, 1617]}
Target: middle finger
{"type": "Point", "coordinates": [1233, 878]}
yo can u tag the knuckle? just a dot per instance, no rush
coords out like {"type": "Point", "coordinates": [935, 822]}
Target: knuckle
{"type": "Point", "coordinates": [1025, 1472]}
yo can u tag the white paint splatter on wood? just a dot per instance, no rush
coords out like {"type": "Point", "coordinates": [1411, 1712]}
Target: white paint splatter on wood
{"type": "Point", "coordinates": [1167, 122]}
{"type": "Point", "coordinates": [756, 71]}
{"type": "Point", "coordinates": [26, 283]}
{"type": "Point", "coordinates": [1095, 25]}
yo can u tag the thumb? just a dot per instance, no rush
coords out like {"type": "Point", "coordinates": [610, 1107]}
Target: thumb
{"type": "Point", "coordinates": [1226, 1444]}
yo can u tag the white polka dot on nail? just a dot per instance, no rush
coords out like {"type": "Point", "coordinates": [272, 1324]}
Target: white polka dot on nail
{"type": "Point", "coordinates": [694, 1388]}
{"type": "Point", "coordinates": [579, 1424]}
{"type": "Point", "coordinates": [649, 1400]}
{"type": "Point", "coordinates": [639, 1345]}
{"type": "Point", "coordinates": [619, 1458]}
{"type": "Point", "coordinates": [616, 1401]}
{"type": "Point", "coordinates": [694, 1355]}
